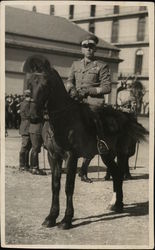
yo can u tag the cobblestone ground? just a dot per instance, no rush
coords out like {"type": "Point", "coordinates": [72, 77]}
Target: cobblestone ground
{"type": "Point", "coordinates": [28, 198]}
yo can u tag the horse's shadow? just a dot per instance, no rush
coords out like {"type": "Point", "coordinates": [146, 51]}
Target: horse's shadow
{"type": "Point", "coordinates": [134, 177]}
{"type": "Point", "coordinates": [134, 209]}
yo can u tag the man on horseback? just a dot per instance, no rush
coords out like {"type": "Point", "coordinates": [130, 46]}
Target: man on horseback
{"type": "Point", "coordinates": [90, 80]}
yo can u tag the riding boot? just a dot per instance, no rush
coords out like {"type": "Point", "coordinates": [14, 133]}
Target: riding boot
{"type": "Point", "coordinates": [107, 176]}
{"type": "Point", "coordinates": [27, 160]}
{"type": "Point", "coordinates": [22, 161]}
{"type": "Point", "coordinates": [84, 170]}
{"type": "Point", "coordinates": [34, 165]}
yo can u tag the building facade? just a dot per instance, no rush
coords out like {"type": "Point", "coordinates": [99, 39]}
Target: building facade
{"type": "Point", "coordinates": [56, 38]}
{"type": "Point", "coordinates": [123, 26]}
{"type": "Point", "coordinates": [127, 28]}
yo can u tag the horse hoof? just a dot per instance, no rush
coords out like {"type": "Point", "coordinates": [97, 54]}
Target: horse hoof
{"type": "Point", "coordinates": [64, 225]}
{"type": "Point", "coordinates": [49, 223]}
{"type": "Point", "coordinates": [117, 208]}
{"type": "Point", "coordinates": [86, 179]}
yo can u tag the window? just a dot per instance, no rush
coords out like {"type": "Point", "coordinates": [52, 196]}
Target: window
{"type": "Point", "coordinates": [34, 8]}
{"type": "Point", "coordinates": [116, 9]}
{"type": "Point", "coordinates": [141, 29]}
{"type": "Point", "coordinates": [92, 10]}
{"type": "Point", "coordinates": [71, 11]}
{"type": "Point", "coordinates": [142, 8]}
{"type": "Point", "coordinates": [52, 10]}
{"type": "Point", "coordinates": [114, 35]}
{"type": "Point", "coordinates": [138, 62]}
{"type": "Point", "coordinates": [92, 27]}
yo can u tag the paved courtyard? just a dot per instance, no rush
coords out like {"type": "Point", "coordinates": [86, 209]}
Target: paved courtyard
{"type": "Point", "coordinates": [28, 198]}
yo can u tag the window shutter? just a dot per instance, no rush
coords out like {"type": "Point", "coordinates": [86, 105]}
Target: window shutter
{"type": "Point", "coordinates": [92, 27]}
{"type": "Point", "coordinates": [141, 29]}
{"type": "Point", "coordinates": [116, 9]}
{"type": "Point", "coordinates": [71, 11]}
{"type": "Point", "coordinates": [52, 10]}
{"type": "Point", "coordinates": [138, 62]}
{"type": "Point", "coordinates": [115, 27]}
{"type": "Point", "coordinates": [92, 10]}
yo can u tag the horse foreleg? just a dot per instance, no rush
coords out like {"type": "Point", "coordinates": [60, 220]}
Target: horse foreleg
{"type": "Point", "coordinates": [71, 164]}
{"type": "Point", "coordinates": [127, 174]}
{"type": "Point", "coordinates": [55, 164]}
{"type": "Point", "coordinates": [117, 176]}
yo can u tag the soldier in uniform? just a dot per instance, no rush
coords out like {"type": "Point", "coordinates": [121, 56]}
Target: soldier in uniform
{"type": "Point", "coordinates": [24, 132]}
{"type": "Point", "coordinates": [90, 79]}
{"type": "Point", "coordinates": [35, 130]}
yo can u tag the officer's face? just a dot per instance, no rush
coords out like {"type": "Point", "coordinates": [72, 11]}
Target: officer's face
{"type": "Point", "coordinates": [88, 50]}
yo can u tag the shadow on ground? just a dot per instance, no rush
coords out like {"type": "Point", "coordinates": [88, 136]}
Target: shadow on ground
{"type": "Point", "coordinates": [134, 209]}
{"type": "Point", "coordinates": [134, 177]}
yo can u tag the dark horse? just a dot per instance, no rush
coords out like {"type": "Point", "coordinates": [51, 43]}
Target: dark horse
{"type": "Point", "coordinates": [75, 136]}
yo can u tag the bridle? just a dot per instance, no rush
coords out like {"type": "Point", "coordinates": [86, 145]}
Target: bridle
{"type": "Point", "coordinates": [66, 108]}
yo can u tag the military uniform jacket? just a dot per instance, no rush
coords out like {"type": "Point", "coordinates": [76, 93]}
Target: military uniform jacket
{"type": "Point", "coordinates": [36, 121]}
{"type": "Point", "coordinates": [25, 117]}
{"type": "Point", "coordinates": [95, 74]}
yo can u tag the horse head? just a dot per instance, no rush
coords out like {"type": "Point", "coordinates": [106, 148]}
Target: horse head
{"type": "Point", "coordinates": [46, 85]}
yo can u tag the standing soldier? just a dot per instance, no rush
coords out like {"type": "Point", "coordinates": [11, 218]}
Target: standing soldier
{"type": "Point", "coordinates": [35, 130]}
{"type": "Point", "coordinates": [90, 79]}
{"type": "Point", "coordinates": [24, 132]}
{"type": "Point", "coordinates": [36, 118]}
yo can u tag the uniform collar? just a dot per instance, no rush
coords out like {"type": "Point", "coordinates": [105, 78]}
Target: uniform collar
{"type": "Point", "coordinates": [91, 64]}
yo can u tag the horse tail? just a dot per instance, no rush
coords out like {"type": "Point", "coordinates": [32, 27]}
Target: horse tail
{"type": "Point", "coordinates": [136, 130]}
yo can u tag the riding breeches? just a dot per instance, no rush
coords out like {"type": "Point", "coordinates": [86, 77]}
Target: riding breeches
{"type": "Point", "coordinates": [24, 151]}
{"type": "Point", "coordinates": [36, 140]}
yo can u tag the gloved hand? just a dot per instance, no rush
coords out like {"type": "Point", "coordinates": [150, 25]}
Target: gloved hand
{"type": "Point", "coordinates": [92, 91]}
{"type": "Point", "coordinates": [83, 92]}
{"type": "Point", "coordinates": [73, 93]}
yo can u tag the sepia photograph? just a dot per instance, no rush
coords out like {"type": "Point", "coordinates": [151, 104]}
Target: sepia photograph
{"type": "Point", "coordinates": [77, 124]}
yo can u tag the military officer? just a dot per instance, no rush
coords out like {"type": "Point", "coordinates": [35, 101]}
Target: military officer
{"type": "Point", "coordinates": [24, 131]}
{"type": "Point", "coordinates": [90, 79]}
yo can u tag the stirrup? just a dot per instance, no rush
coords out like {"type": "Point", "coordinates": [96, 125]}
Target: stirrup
{"type": "Point", "coordinates": [102, 146]}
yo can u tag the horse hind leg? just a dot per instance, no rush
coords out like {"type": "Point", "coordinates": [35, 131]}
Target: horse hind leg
{"type": "Point", "coordinates": [55, 164]}
{"type": "Point", "coordinates": [116, 171]}
{"type": "Point", "coordinates": [84, 170]}
{"type": "Point", "coordinates": [71, 164]}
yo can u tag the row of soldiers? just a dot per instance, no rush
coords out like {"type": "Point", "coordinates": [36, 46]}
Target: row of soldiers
{"type": "Point", "coordinates": [12, 113]}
